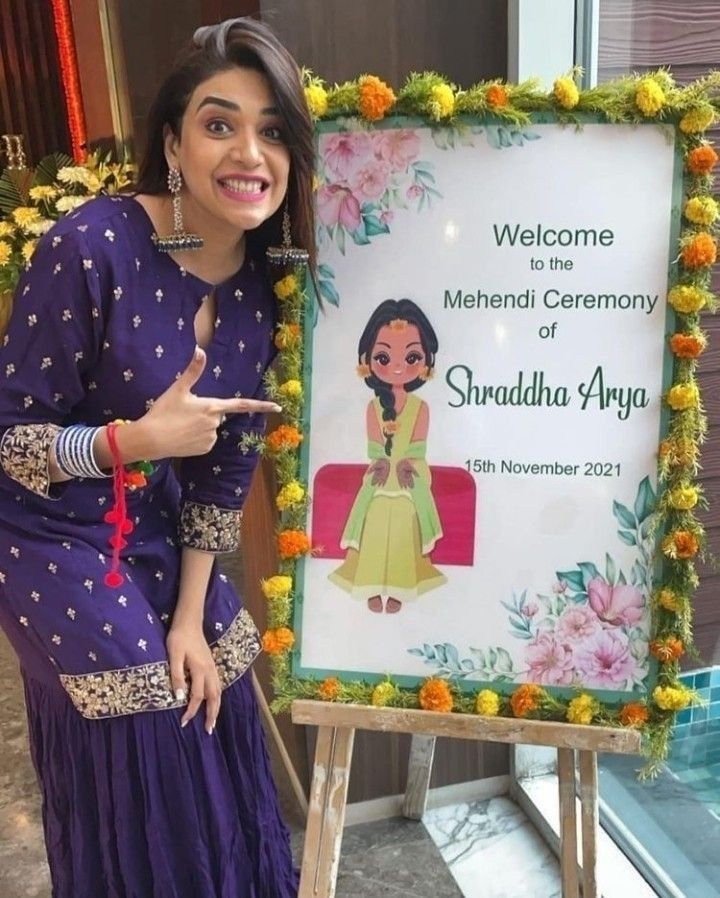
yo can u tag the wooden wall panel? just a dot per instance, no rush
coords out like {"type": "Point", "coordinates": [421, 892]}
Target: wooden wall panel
{"type": "Point", "coordinates": [637, 35]}
{"type": "Point", "coordinates": [31, 97]}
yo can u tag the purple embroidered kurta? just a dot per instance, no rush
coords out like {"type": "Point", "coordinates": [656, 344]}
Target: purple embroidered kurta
{"type": "Point", "coordinates": [102, 324]}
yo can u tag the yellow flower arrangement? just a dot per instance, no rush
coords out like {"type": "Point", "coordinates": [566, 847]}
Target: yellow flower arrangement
{"type": "Point", "coordinates": [28, 248]}
{"type": "Point", "coordinates": [25, 215]}
{"type": "Point", "coordinates": [702, 210]}
{"type": "Point", "coordinates": [566, 92]}
{"type": "Point", "coordinates": [697, 120]}
{"type": "Point", "coordinates": [683, 498]}
{"type": "Point", "coordinates": [582, 709]}
{"type": "Point", "coordinates": [286, 287]}
{"type": "Point", "coordinates": [317, 100]}
{"type": "Point", "coordinates": [687, 299]}
{"type": "Point", "coordinates": [376, 98]}
{"type": "Point", "coordinates": [672, 698]}
{"type": "Point", "coordinates": [329, 689]}
{"type": "Point", "coordinates": [291, 388]}
{"type": "Point", "coordinates": [42, 192]}
{"type": "Point", "coordinates": [383, 694]}
{"type": "Point", "coordinates": [291, 494]}
{"type": "Point", "coordinates": [277, 587]}
{"type": "Point", "coordinates": [487, 703]}
{"type": "Point", "coordinates": [683, 396]}
{"type": "Point", "coordinates": [681, 544]}
{"type": "Point", "coordinates": [6, 229]}
{"type": "Point", "coordinates": [649, 97]}
{"type": "Point", "coordinates": [668, 599]}
{"type": "Point", "coordinates": [5, 252]}
{"type": "Point", "coordinates": [442, 101]}
{"type": "Point", "coordinates": [435, 695]}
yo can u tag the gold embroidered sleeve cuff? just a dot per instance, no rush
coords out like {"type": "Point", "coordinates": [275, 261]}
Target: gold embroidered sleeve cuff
{"type": "Point", "coordinates": [209, 528]}
{"type": "Point", "coordinates": [25, 454]}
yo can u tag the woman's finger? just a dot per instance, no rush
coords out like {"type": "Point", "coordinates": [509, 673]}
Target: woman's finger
{"type": "Point", "coordinates": [177, 676]}
{"type": "Point", "coordinates": [197, 694]}
{"type": "Point", "coordinates": [245, 406]}
{"type": "Point", "coordinates": [212, 707]}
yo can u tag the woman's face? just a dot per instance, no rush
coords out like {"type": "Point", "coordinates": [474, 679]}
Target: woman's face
{"type": "Point", "coordinates": [231, 152]}
{"type": "Point", "coordinates": [397, 355]}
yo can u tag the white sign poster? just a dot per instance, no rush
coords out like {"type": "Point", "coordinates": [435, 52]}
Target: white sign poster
{"type": "Point", "coordinates": [485, 403]}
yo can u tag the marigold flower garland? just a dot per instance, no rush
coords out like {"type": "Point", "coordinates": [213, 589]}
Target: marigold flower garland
{"type": "Point", "coordinates": [681, 539]}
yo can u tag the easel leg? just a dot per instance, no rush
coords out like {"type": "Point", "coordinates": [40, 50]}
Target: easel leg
{"type": "Point", "coordinates": [589, 817]}
{"type": "Point", "coordinates": [568, 823]}
{"type": "Point", "coordinates": [326, 817]}
{"type": "Point", "coordinates": [422, 750]}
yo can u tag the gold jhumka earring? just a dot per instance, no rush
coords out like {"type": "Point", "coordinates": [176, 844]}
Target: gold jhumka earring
{"type": "Point", "coordinates": [179, 239]}
{"type": "Point", "coordinates": [287, 254]}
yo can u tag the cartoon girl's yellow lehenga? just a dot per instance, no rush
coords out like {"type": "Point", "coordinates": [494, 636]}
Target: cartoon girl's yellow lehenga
{"type": "Point", "coordinates": [391, 529]}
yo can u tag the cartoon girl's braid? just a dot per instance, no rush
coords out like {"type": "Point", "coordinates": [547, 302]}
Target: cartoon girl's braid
{"type": "Point", "coordinates": [386, 397]}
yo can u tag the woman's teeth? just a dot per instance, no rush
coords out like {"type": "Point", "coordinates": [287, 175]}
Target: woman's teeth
{"type": "Point", "coordinates": [244, 186]}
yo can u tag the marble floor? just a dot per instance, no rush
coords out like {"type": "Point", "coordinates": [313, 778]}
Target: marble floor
{"type": "Point", "coordinates": [465, 850]}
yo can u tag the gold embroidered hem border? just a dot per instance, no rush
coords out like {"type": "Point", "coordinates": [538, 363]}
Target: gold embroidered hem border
{"type": "Point", "coordinates": [113, 693]}
{"type": "Point", "coordinates": [24, 455]}
{"type": "Point", "coordinates": [209, 528]}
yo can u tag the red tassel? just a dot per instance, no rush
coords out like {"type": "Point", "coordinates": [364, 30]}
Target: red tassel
{"type": "Point", "coordinates": [118, 514]}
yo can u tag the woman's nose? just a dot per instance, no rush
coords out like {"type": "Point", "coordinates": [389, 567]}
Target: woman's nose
{"type": "Point", "coordinates": [246, 148]}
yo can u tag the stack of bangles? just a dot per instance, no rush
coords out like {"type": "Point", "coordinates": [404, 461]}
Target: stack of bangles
{"type": "Point", "coordinates": [75, 458]}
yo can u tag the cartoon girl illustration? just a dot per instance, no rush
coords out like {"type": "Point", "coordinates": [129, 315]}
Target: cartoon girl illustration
{"type": "Point", "coordinates": [393, 524]}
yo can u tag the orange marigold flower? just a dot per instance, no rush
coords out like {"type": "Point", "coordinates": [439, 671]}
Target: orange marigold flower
{"type": "Point", "coordinates": [681, 544]}
{"type": "Point", "coordinates": [700, 251]}
{"type": "Point", "coordinates": [375, 98]}
{"type": "Point", "coordinates": [284, 437]}
{"type": "Point", "coordinates": [435, 695]}
{"type": "Point", "coordinates": [701, 160]}
{"type": "Point", "coordinates": [496, 96]}
{"type": "Point", "coordinates": [329, 689]}
{"type": "Point", "coordinates": [668, 649]}
{"type": "Point", "coordinates": [525, 699]}
{"type": "Point", "coordinates": [275, 642]}
{"type": "Point", "coordinates": [633, 714]}
{"type": "Point", "coordinates": [287, 336]}
{"type": "Point", "coordinates": [687, 346]}
{"type": "Point", "coordinates": [292, 543]}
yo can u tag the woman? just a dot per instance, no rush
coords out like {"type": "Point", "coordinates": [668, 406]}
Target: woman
{"type": "Point", "coordinates": [144, 731]}
{"type": "Point", "coordinates": [393, 524]}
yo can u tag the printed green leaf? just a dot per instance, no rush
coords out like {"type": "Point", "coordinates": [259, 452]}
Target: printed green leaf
{"type": "Point", "coordinates": [574, 579]}
{"type": "Point", "coordinates": [610, 570]}
{"type": "Point", "coordinates": [625, 517]}
{"type": "Point", "coordinates": [373, 226]}
{"type": "Point", "coordinates": [504, 661]}
{"type": "Point", "coordinates": [328, 292]}
{"type": "Point", "coordinates": [645, 501]}
{"type": "Point", "coordinates": [589, 572]}
{"type": "Point", "coordinates": [627, 537]}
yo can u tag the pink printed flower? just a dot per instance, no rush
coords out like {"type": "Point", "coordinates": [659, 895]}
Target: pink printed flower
{"type": "Point", "coordinates": [387, 217]}
{"type": "Point", "coordinates": [576, 623]}
{"type": "Point", "coordinates": [337, 205]}
{"type": "Point", "coordinates": [530, 610]}
{"type": "Point", "coordinates": [344, 151]}
{"type": "Point", "coordinates": [414, 191]}
{"type": "Point", "coordinates": [605, 660]}
{"type": "Point", "coordinates": [370, 180]}
{"type": "Point", "coordinates": [399, 147]}
{"type": "Point", "coordinates": [616, 605]}
{"type": "Point", "coordinates": [559, 587]}
{"type": "Point", "coordinates": [550, 662]}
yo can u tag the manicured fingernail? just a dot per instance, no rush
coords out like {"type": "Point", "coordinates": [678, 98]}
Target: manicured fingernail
{"type": "Point", "coordinates": [184, 723]}
{"type": "Point", "coordinates": [276, 407]}
{"type": "Point", "coordinates": [209, 730]}
{"type": "Point", "coordinates": [198, 353]}
{"type": "Point", "coordinates": [180, 695]}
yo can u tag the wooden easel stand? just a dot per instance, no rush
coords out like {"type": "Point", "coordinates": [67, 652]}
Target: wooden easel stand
{"type": "Point", "coordinates": [333, 757]}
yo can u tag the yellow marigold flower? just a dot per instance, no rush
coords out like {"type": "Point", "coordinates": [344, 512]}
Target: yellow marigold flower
{"type": "Point", "coordinates": [681, 544]}
{"type": "Point", "coordinates": [375, 99]}
{"type": "Point", "coordinates": [291, 494]}
{"type": "Point", "coordinates": [442, 101]}
{"type": "Point", "coordinates": [684, 497]}
{"type": "Point", "coordinates": [329, 689]}
{"type": "Point", "coordinates": [42, 192]}
{"type": "Point", "coordinates": [487, 703]}
{"type": "Point", "coordinates": [5, 252]}
{"type": "Point", "coordinates": [25, 215]}
{"type": "Point", "coordinates": [435, 695]}
{"type": "Point", "coordinates": [28, 249]}
{"type": "Point", "coordinates": [6, 229]}
{"type": "Point", "coordinates": [277, 587]}
{"type": "Point", "coordinates": [566, 93]}
{"type": "Point", "coordinates": [669, 600]}
{"type": "Point", "coordinates": [317, 100]}
{"type": "Point", "coordinates": [687, 299]}
{"type": "Point", "coordinates": [285, 287]}
{"type": "Point", "coordinates": [701, 210]}
{"type": "Point", "coordinates": [291, 388]}
{"type": "Point", "coordinates": [698, 119]}
{"type": "Point", "coordinates": [671, 698]}
{"type": "Point", "coordinates": [683, 396]}
{"type": "Point", "coordinates": [383, 694]}
{"type": "Point", "coordinates": [582, 709]}
{"type": "Point", "coordinates": [649, 97]}
{"type": "Point", "coordinates": [700, 251]}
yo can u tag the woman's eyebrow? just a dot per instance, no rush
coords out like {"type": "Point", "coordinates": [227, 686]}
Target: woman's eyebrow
{"type": "Point", "coordinates": [229, 104]}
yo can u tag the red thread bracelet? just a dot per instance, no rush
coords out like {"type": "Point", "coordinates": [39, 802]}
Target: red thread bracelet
{"type": "Point", "coordinates": [118, 513]}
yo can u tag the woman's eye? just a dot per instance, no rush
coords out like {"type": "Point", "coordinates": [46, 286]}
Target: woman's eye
{"type": "Point", "coordinates": [382, 358]}
{"type": "Point", "coordinates": [412, 358]}
{"type": "Point", "coordinates": [218, 126]}
{"type": "Point", "coordinates": [273, 133]}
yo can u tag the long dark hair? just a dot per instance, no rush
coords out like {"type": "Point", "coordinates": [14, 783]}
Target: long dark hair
{"type": "Point", "coordinates": [385, 313]}
{"type": "Point", "coordinates": [245, 43]}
